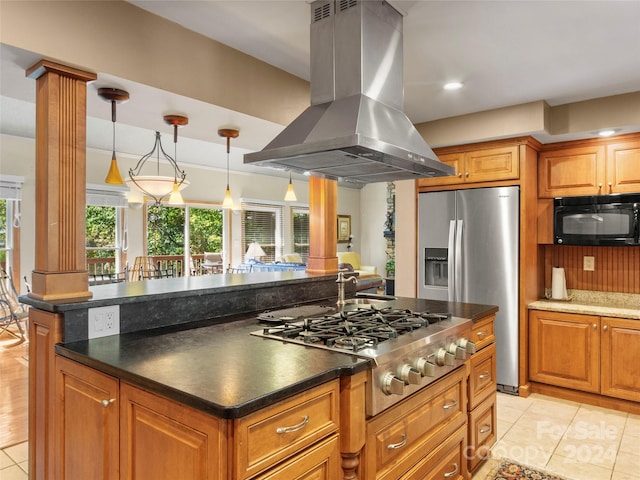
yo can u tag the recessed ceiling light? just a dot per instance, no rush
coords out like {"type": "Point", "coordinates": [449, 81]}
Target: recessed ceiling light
{"type": "Point", "coordinates": [606, 133]}
{"type": "Point", "coordinates": [452, 86]}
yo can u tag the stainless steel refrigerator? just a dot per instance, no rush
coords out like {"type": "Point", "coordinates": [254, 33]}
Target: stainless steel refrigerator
{"type": "Point", "coordinates": [468, 252]}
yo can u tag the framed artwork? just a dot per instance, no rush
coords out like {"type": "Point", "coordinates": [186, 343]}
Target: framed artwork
{"type": "Point", "coordinates": [344, 228]}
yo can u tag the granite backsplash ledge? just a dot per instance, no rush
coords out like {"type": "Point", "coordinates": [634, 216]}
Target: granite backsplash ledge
{"type": "Point", "coordinates": [589, 302]}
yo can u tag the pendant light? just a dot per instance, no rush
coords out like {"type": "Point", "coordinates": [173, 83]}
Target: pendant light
{"type": "Point", "coordinates": [157, 186]}
{"type": "Point", "coordinates": [290, 196]}
{"type": "Point", "coordinates": [228, 133]}
{"type": "Point", "coordinates": [114, 96]}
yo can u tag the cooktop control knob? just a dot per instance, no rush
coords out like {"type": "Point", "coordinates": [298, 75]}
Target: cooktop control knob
{"type": "Point", "coordinates": [458, 352]}
{"type": "Point", "coordinates": [445, 358]}
{"type": "Point", "coordinates": [468, 345]}
{"type": "Point", "coordinates": [409, 374]}
{"type": "Point", "coordinates": [425, 367]}
{"type": "Point", "coordinates": [392, 385]}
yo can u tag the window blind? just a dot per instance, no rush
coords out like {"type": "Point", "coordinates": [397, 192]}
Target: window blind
{"type": "Point", "coordinates": [300, 229]}
{"type": "Point", "coordinates": [262, 223]}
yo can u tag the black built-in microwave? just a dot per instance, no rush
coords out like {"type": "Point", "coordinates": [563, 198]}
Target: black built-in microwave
{"type": "Point", "coordinates": [597, 220]}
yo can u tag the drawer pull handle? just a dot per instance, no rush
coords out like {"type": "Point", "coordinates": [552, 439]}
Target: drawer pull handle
{"type": "Point", "coordinates": [485, 428]}
{"type": "Point", "coordinates": [447, 406]}
{"type": "Point", "coordinates": [105, 403]}
{"type": "Point", "coordinates": [453, 472]}
{"type": "Point", "coordinates": [482, 333]}
{"type": "Point", "coordinates": [294, 428]}
{"type": "Point", "coordinates": [402, 443]}
{"type": "Point", "coordinates": [484, 375]}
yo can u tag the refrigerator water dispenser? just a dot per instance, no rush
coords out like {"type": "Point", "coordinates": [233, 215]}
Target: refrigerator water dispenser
{"type": "Point", "coordinates": [436, 267]}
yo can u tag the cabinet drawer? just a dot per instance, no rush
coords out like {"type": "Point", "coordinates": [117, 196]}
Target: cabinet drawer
{"type": "Point", "coordinates": [401, 436]}
{"type": "Point", "coordinates": [482, 379]}
{"type": "Point", "coordinates": [445, 463]}
{"type": "Point", "coordinates": [482, 432]}
{"type": "Point", "coordinates": [320, 462]}
{"type": "Point", "coordinates": [483, 333]}
{"type": "Point", "coordinates": [275, 433]}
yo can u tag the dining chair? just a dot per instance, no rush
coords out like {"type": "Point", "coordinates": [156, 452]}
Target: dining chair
{"type": "Point", "coordinates": [12, 312]}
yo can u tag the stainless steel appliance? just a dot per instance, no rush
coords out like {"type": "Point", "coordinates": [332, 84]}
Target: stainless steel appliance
{"type": "Point", "coordinates": [355, 129]}
{"type": "Point", "coordinates": [597, 220]}
{"type": "Point", "coordinates": [468, 252]}
{"type": "Point", "coordinates": [409, 350]}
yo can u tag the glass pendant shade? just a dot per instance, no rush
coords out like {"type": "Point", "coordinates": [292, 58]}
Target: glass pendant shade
{"type": "Point", "coordinates": [114, 96]}
{"type": "Point", "coordinates": [228, 201]}
{"type": "Point", "coordinates": [158, 186]}
{"type": "Point", "coordinates": [228, 133]}
{"type": "Point", "coordinates": [290, 196]}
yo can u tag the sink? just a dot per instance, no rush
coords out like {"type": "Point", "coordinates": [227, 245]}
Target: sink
{"type": "Point", "coordinates": [364, 302]}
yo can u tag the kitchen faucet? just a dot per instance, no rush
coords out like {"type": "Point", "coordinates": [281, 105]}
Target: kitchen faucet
{"type": "Point", "coordinates": [341, 281]}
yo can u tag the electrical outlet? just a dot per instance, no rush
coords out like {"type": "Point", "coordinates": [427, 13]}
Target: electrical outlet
{"type": "Point", "coordinates": [588, 264]}
{"type": "Point", "coordinates": [104, 321]}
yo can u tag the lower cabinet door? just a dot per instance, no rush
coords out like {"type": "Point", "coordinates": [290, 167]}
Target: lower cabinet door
{"type": "Point", "coordinates": [620, 361]}
{"type": "Point", "coordinates": [164, 440]}
{"type": "Point", "coordinates": [87, 422]}
{"type": "Point", "coordinates": [446, 462]}
{"type": "Point", "coordinates": [320, 462]}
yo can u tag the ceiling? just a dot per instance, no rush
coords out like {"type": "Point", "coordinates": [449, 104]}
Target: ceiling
{"type": "Point", "coordinates": [504, 52]}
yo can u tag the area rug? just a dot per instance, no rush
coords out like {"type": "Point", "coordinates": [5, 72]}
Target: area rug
{"type": "Point", "coordinates": [505, 469]}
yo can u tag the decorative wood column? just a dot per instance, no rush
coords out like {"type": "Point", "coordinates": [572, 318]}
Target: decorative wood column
{"type": "Point", "coordinates": [60, 273]}
{"type": "Point", "coordinates": [323, 217]}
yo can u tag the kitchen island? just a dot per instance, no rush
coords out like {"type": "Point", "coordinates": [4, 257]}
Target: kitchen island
{"type": "Point", "coordinates": [206, 390]}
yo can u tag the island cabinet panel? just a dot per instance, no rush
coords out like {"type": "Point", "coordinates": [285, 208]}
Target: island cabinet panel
{"type": "Point", "coordinates": [564, 349]}
{"type": "Point", "coordinates": [87, 422]}
{"type": "Point", "coordinates": [482, 378]}
{"type": "Point", "coordinates": [320, 462]}
{"type": "Point", "coordinates": [621, 358]}
{"type": "Point", "coordinates": [165, 440]}
{"type": "Point", "coordinates": [410, 433]}
{"type": "Point", "coordinates": [482, 387]}
{"type": "Point", "coordinates": [445, 462]}
{"type": "Point", "coordinates": [280, 431]}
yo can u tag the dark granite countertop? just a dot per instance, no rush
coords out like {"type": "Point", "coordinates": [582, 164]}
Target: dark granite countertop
{"type": "Point", "coordinates": [221, 368]}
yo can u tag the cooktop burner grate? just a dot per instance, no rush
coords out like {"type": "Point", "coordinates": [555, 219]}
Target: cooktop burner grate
{"type": "Point", "coordinates": [355, 329]}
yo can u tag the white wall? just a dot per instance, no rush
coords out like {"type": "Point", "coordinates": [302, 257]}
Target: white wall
{"type": "Point", "coordinates": [366, 206]}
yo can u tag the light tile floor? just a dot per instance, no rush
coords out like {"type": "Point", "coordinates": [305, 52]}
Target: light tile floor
{"type": "Point", "coordinates": [13, 462]}
{"type": "Point", "coordinates": [578, 441]}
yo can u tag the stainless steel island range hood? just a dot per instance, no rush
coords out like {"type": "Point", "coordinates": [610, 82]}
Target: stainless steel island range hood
{"type": "Point", "coordinates": [355, 129]}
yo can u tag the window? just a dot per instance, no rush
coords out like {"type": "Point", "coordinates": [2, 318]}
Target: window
{"type": "Point", "coordinates": [262, 223]}
{"type": "Point", "coordinates": [10, 195]}
{"type": "Point", "coordinates": [300, 220]}
{"type": "Point", "coordinates": [105, 229]}
{"type": "Point", "coordinates": [184, 233]}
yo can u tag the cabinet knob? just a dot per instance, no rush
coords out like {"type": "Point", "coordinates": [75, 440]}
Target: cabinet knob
{"type": "Point", "coordinates": [599, 186]}
{"type": "Point", "coordinates": [105, 403]}
{"type": "Point", "coordinates": [605, 327]}
{"type": "Point", "coordinates": [460, 175]}
{"type": "Point", "coordinates": [466, 174]}
{"type": "Point", "coordinates": [595, 327]}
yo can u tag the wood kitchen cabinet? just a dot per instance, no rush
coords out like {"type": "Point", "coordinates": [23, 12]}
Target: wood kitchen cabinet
{"type": "Point", "coordinates": [485, 165]}
{"type": "Point", "coordinates": [408, 436]}
{"type": "Point", "coordinates": [163, 439]}
{"type": "Point", "coordinates": [620, 343]}
{"type": "Point", "coordinates": [585, 352]}
{"type": "Point", "coordinates": [482, 387]}
{"type": "Point", "coordinates": [87, 422]}
{"type": "Point", "coordinates": [590, 168]}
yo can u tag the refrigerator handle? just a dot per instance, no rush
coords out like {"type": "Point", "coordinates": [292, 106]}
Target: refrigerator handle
{"type": "Point", "coordinates": [450, 261]}
{"type": "Point", "coordinates": [458, 262]}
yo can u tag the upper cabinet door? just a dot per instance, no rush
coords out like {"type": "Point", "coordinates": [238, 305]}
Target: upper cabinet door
{"type": "Point", "coordinates": [456, 160]}
{"type": "Point", "coordinates": [571, 171]}
{"type": "Point", "coordinates": [623, 167]}
{"type": "Point", "coordinates": [491, 164]}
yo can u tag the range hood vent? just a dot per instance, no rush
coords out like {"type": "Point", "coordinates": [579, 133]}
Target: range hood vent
{"type": "Point", "coordinates": [355, 129]}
